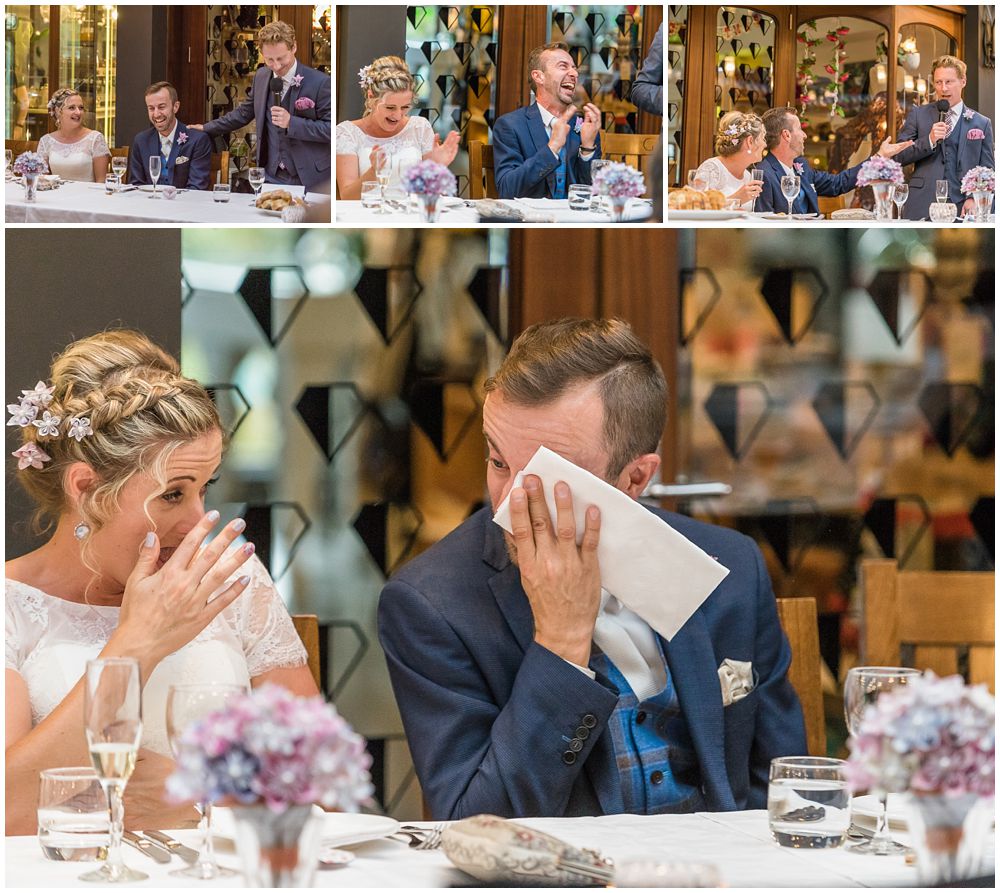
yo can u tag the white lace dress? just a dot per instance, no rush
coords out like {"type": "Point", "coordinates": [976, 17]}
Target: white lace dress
{"type": "Point", "coordinates": [50, 640]}
{"type": "Point", "coordinates": [73, 161]}
{"type": "Point", "coordinates": [408, 146]}
{"type": "Point", "coordinates": [715, 173]}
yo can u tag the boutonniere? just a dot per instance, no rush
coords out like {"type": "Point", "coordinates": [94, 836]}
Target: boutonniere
{"type": "Point", "coordinates": [182, 138]}
{"type": "Point", "coordinates": [578, 125]}
{"type": "Point", "coordinates": [181, 159]}
{"type": "Point", "coordinates": [967, 114]}
{"type": "Point", "coordinates": [303, 103]}
{"type": "Point", "coordinates": [799, 167]}
{"type": "Point", "coordinates": [297, 80]}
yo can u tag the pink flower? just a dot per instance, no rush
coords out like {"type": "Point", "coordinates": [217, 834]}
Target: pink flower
{"type": "Point", "coordinates": [30, 456]}
{"type": "Point", "coordinates": [297, 80]}
{"type": "Point", "coordinates": [799, 167]}
{"type": "Point", "coordinates": [182, 138]}
{"type": "Point", "coordinates": [304, 102]}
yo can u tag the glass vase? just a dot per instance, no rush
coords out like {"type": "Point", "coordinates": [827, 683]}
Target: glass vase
{"type": "Point", "coordinates": [429, 208]}
{"type": "Point", "coordinates": [618, 205]}
{"type": "Point", "coordinates": [30, 187]}
{"type": "Point", "coordinates": [949, 834]}
{"type": "Point", "coordinates": [277, 849]}
{"type": "Point", "coordinates": [982, 201]}
{"type": "Point", "coordinates": [882, 190]}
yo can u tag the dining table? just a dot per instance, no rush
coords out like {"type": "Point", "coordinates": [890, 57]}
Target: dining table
{"type": "Point", "coordinates": [772, 220]}
{"type": "Point", "coordinates": [737, 844]}
{"type": "Point", "coordinates": [458, 212]}
{"type": "Point", "coordinates": [77, 202]}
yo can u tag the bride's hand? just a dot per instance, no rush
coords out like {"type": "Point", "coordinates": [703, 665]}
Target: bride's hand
{"type": "Point", "coordinates": [146, 806]}
{"type": "Point", "coordinates": [162, 610]}
{"type": "Point", "coordinates": [747, 191]}
{"type": "Point", "coordinates": [444, 153]}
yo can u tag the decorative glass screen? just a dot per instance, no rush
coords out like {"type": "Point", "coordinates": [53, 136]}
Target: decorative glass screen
{"type": "Point", "coordinates": [919, 45]}
{"type": "Point", "coordinates": [676, 52]}
{"type": "Point", "coordinates": [87, 52]}
{"type": "Point", "coordinates": [744, 59]}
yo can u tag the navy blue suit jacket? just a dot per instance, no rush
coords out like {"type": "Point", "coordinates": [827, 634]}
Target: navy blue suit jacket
{"type": "Point", "coordinates": [488, 711]}
{"type": "Point", "coordinates": [523, 163]}
{"type": "Point", "coordinates": [195, 173]}
{"type": "Point", "coordinates": [812, 184]}
{"type": "Point", "coordinates": [308, 133]}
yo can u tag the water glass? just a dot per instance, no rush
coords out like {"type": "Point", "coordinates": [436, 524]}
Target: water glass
{"type": "Point", "coordinates": [396, 199]}
{"type": "Point", "coordinates": [808, 802]}
{"type": "Point", "coordinates": [73, 821]}
{"type": "Point", "coordinates": [110, 184]}
{"type": "Point", "coordinates": [790, 185]}
{"type": "Point", "coordinates": [941, 190]}
{"type": "Point", "coordinates": [119, 165]}
{"type": "Point", "coordinates": [579, 197]}
{"type": "Point", "coordinates": [900, 193]}
{"type": "Point", "coordinates": [371, 194]}
{"type": "Point", "coordinates": [221, 192]}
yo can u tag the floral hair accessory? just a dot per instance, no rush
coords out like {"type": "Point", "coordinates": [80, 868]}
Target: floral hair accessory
{"type": "Point", "coordinates": [47, 425]}
{"type": "Point", "coordinates": [297, 80]}
{"type": "Point", "coordinates": [80, 428]}
{"type": "Point", "coordinates": [182, 138]}
{"type": "Point", "coordinates": [979, 179]}
{"type": "Point", "coordinates": [878, 169]}
{"type": "Point", "coordinates": [365, 80]}
{"type": "Point", "coordinates": [31, 456]}
{"type": "Point", "coordinates": [429, 178]}
{"type": "Point", "coordinates": [303, 103]}
{"type": "Point", "coordinates": [25, 413]}
{"type": "Point", "coordinates": [618, 180]}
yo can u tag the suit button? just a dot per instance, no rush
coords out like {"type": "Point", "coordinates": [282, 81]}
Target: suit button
{"type": "Point", "coordinates": [583, 733]}
{"type": "Point", "coordinates": [589, 720]}
{"type": "Point", "coordinates": [656, 776]}
{"type": "Point", "coordinates": [569, 758]}
{"type": "Point", "coordinates": [640, 717]}
{"type": "Point", "coordinates": [576, 745]}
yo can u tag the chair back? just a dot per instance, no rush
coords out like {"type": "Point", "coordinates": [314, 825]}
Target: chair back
{"type": "Point", "coordinates": [220, 165]}
{"type": "Point", "coordinates": [121, 152]}
{"type": "Point", "coordinates": [307, 626]}
{"type": "Point", "coordinates": [798, 620]}
{"type": "Point", "coordinates": [629, 148]}
{"type": "Point", "coordinates": [18, 146]}
{"type": "Point", "coordinates": [932, 620]}
{"type": "Point", "coordinates": [830, 203]}
{"type": "Point", "coordinates": [482, 183]}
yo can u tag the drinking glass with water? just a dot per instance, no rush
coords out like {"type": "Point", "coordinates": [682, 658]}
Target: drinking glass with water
{"type": "Point", "coordinates": [808, 802]}
{"type": "Point", "coordinates": [73, 820]}
{"type": "Point", "coordinates": [579, 197]}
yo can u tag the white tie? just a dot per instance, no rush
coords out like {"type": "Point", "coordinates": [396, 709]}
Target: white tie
{"type": "Point", "coordinates": [630, 644]}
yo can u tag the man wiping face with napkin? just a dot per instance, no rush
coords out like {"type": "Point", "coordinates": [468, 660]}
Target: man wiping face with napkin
{"type": "Point", "coordinates": [579, 653]}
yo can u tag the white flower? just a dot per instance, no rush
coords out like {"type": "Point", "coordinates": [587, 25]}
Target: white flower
{"type": "Point", "coordinates": [39, 395]}
{"type": "Point", "coordinates": [80, 428]}
{"type": "Point", "coordinates": [47, 425]}
{"type": "Point", "coordinates": [22, 414]}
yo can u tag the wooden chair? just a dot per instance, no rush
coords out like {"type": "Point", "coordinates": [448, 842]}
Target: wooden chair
{"type": "Point", "coordinates": [798, 620]}
{"type": "Point", "coordinates": [121, 152]}
{"type": "Point", "coordinates": [307, 626]}
{"type": "Point", "coordinates": [18, 146]}
{"type": "Point", "coordinates": [828, 204]}
{"type": "Point", "coordinates": [220, 165]}
{"type": "Point", "coordinates": [932, 620]}
{"type": "Point", "coordinates": [482, 183]}
{"type": "Point", "coordinates": [629, 148]}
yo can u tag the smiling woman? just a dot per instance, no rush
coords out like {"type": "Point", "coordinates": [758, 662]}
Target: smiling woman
{"type": "Point", "coordinates": [118, 452]}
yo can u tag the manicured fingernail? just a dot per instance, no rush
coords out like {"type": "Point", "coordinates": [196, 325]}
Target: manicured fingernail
{"type": "Point", "coordinates": [244, 580]}
{"type": "Point", "coordinates": [150, 540]}
{"type": "Point", "coordinates": [239, 525]}
{"type": "Point", "coordinates": [248, 549]}
{"type": "Point", "coordinates": [212, 516]}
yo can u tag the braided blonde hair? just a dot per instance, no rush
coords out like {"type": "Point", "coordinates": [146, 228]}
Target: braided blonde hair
{"type": "Point", "coordinates": [734, 127]}
{"type": "Point", "coordinates": [141, 409]}
{"type": "Point", "coordinates": [58, 100]}
{"type": "Point", "coordinates": [387, 74]}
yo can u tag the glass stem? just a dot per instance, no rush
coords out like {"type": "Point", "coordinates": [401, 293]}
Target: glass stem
{"type": "Point", "coordinates": [789, 207]}
{"type": "Point", "coordinates": [206, 858]}
{"type": "Point", "coordinates": [882, 841]}
{"type": "Point", "coordinates": [116, 810]}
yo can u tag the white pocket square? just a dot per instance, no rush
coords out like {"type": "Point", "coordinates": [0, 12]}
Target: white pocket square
{"type": "Point", "coordinates": [736, 679]}
{"type": "Point", "coordinates": [181, 159]}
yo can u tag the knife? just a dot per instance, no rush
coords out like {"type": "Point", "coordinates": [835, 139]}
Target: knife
{"type": "Point", "coordinates": [188, 854]}
{"type": "Point", "coordinates": [153, 850]}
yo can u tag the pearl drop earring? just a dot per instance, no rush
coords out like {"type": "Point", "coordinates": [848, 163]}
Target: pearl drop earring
{"type": "Point", "coordinates": [81, 530]}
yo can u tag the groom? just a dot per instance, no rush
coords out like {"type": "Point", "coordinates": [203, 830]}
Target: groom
{"type": "Point", "coordinates": [186, 154]}
{"type": "Point", "coordinates": [290, 104]}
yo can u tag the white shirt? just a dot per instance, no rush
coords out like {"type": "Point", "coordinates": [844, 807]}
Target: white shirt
{"type": "Point", "coordinates": [288, 77]}
{"type": "Point", "coordinates": [167, 142]}
{"type": "Point", "coordinates": [547, 119]}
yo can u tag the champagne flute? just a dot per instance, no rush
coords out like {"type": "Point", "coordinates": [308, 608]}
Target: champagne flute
{"type": "Point", "coordinates": [155, 165]}
{"type": "Point", "coordinates": [187, 704]}
{"type": "Point", "coordinates": [941, 190]}
{"type": "Point", "coordinates": [790, 185]}
{"type": "Point", "coordinates": [596, 199]}
{"type": "Point", "coordinates": [256, 177]}
{"type": "Point", "coordinates": [119, 165]}
{"type": "Point", "coordinates": [900, 193]}
{"type": "Point", "coordinates": [383, 173]}
{"type": "Point", "coordinates": [111, 713]}
{"type": "Point", "coordinates": [862, 687]}
{"type": "Point", "coordinates": [757, 175]}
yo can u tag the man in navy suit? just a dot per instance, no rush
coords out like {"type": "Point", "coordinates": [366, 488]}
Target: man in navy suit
{"type": "Point", "coordinates": [186, 154]}
{"type": "Point", "coordinates": [647, 89]}
{"type": "Point", "coordinates": [785, 141]}
{"type": "Point", "coordinates": [527, 690]}
{"type": "Point", "coordinates": [948, 149]}
{"type": "Point", "coordinates": [539, 151]}
{"type": "Point", "coordinates": [293, 126]}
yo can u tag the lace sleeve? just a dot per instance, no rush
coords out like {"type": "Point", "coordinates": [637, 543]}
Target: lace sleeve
{"type": "Point", "coordinates": [347, 139]}
{"type": "Point", "coordinates": [266, 632]}
{"type": "Point", "coordinates": [99, 147]}
{"type": "Point", "coordinates": [25, 620]}
{"type": "Point", "coordinates": [43, 147]}
{"type": "Point", "coordinates": [424, 132]}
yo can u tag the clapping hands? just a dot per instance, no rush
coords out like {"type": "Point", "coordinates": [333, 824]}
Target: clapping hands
{"type": "Point", "coordinates": [444, 153]}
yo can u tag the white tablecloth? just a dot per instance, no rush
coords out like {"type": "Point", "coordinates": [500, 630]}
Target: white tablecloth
{"type": "Point", "coordinates": [760, 221]}
{"type": "Point", "coordinates": [457, 213]}
{"type": "Point", "coordinates": [87, 203]}
{"type": "Point", "coordinates": [737, 843]}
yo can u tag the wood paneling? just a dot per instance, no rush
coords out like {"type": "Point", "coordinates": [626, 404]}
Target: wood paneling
{"type": "Point", "coordinates": [187, 59]}
{"type": "Point", "coordinates": [521, 29]}
{"type": "Point", "coordinates": [798, 620]}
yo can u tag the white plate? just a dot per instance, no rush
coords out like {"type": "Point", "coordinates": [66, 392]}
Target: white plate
{"type": "Point", "coordinates": [773, 215]}
{"type": "Point", "coordinates": [866, 810]}
{"type": "Point", "coordinates": [339, 828]}
{"type": "Point", "coordinates": [704, 215]}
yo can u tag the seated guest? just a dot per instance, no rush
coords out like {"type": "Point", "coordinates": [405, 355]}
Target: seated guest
{"type": "Point", "coordinates": [118, 451]}
{"type": "Point", "coordinates": [524, 688]}
{"type": "Point", "coordinates": [647, 89]}
{"type": "Point", "coordinates": [948, 149]}
{"type": "Point", "coordinates": [186, 153]}
{"type": "Point", "coordinates": [290, 103]}
{"type": "Point", "coordinates": [739, 143]}
{"type": "Point", "coordinates": [73, 151]}
{"type": "Point", "coordinates": [785, 144]}
{"type": "Point", "coordinates": [387, 125]}
{"type": "Point", "coordinates": [539, 151]}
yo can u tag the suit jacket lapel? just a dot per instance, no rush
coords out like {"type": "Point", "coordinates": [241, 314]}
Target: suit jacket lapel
{"type": "Point", "coordinates": [506, 586]}
{"type": "Point", "coordinates": [691, 660]}
{"type": "Point", "coordinates": [808, 189]}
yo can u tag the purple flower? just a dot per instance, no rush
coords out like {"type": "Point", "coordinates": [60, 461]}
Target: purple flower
{"type": "Point", "coordinates": [979, 179]}
{"type": "Point", "coordinates": [31, 456]}
{"type": "Point", "coordinates": [303, 103]}
{"type": "Point", "coordinates": [47, 425]}
{"type": "Point", "coordinates": [182, 138]}
{"type": "Point", "coordinates": [29, 163]}
{"type": "Point", "coordinates": [577, 124]}
{"type": "Point", "coordinates": [297, 80]}
{"type": "Point", "coordinates": [619, 180]}
{"type": "Point", "coordinates": [878, 169]}
{"type": "Point", "coordinates": [799, 167]}
{"type": "Point", "coordinates": [429, 178]}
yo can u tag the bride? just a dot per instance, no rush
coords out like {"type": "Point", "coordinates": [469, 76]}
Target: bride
{"type": "Point", "coordinates": [739, 143]}
{"type": "Point", "coordinates": [387, 125]}
{"type": "Point", "coordinates": [118, 451]}
{"type": "Point", "coordinates": [73, 151]}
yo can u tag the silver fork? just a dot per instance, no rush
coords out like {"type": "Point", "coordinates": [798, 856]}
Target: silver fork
{"type": "Point", "coordinates": [432, 840]}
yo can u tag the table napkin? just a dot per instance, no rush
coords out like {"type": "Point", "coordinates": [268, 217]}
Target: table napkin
{"type": "Point", "coordinates": [647, 565]}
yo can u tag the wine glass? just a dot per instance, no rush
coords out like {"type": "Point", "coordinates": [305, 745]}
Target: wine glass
{"type": "Point", "coordinates": [941, 190]}
{"type": "Point", "coordinates": [155, 165]}
{"type": "Point", "coordinates": [596, 199]}
{"type": "Point", "coordinates": [256, 177]}
{"type": "Point", "coordinates": [111, 713]}
{"type": "Point", "coordinates": [8, 159]}
{"type": "Point", "coordinates": [900, 193]}
{"type": "Point", "coordinates": [383, 173]}
{"type": "Point", "coordinates": [862, 687]}
{"type": "Point", "coordinates": [185, 705]}
{"type": "Point", "coordinates": [790, 185]}
{"type": "Point", "coordinates": [757, 175]}
{"type": "Point", "coordinates": [118, 165]}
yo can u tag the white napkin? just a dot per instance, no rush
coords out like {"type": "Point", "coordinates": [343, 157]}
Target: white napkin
{"type": "Point", "coordinates": [648, 566]}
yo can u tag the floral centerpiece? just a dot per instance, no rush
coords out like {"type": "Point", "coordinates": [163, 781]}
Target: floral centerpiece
{"type": "Point", "coordinates": [882, 174]}
{"type": "Point", "coordinates": [29, 165]}
{"type": "Point", "coordinates": [980, 183]}
{"type": "Point", "coordinates": [619, 182]}
{"type": "Point", "coordinates": [935, 739]}
{"type": "Point", "coordinates": [272, 755]}
{"type": "Point", "coordinates": [429, 180]}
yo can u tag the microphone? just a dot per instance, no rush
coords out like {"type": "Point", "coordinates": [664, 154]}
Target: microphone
{"type": "Point", "coordinates": [943, 109]}
{"type": "Point", "coordinates": [277, 85]}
